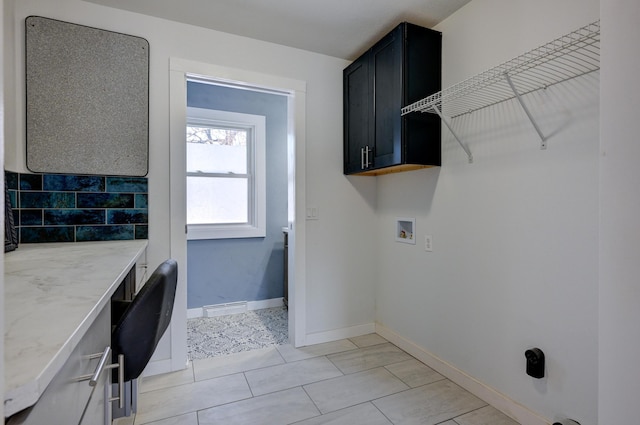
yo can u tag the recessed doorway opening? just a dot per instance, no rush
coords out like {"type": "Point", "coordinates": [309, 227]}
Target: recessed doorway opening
{"type": "Point", "coordinates": [218, 264]}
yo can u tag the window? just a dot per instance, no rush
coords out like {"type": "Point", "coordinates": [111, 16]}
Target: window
{"type": "Point", "coordinates": [225, 174]}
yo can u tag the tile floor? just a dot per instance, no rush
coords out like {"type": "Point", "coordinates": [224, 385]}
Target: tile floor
{"type": "Point", "coordinates": [234, 333]}
{"type": "Point", "coordinates": [362, 380]}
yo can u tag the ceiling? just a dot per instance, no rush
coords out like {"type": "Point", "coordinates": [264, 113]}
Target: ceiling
{"type": "Point", "coordinates": [339, 28]}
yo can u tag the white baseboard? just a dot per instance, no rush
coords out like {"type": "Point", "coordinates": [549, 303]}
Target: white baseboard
{"type": "Point", "coordinates": [342, 333]}
{"type": "Point", "coordinates": [233, 308]}
{"type": "Point", "coordinates": [194, 313]}
{"type": "Point", "coordinates": [224, 309]}
{"type": "Point", "coordinates": [509, 407]}
{"type": "Point", "coordinates": [270, 303]}
{"type": "Point", "coordinates": [157, 367]}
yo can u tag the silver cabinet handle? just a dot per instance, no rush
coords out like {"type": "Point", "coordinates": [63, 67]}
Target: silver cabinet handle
{"type": "Point", "coordinates": [95, 376]}
{"type": "Point", "coordinates": [364, 157]}
{"type": "Point", "coordinates": [367, 162]}
{"type": "Point", "coordinates": [120, 366]}
{"type": "Point", "coordinates": [121, 380]}
{"type": "Point", "coordinates": [101, 364]}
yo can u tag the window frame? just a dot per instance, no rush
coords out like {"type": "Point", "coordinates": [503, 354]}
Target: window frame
{"type": "Point", "coordinates": [256, 169]}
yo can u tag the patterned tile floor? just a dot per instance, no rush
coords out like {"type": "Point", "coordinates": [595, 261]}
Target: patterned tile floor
{"type": "Point", "coordinates": [255, 329]}
{"type": "Point", "coordinates": [356, 381]}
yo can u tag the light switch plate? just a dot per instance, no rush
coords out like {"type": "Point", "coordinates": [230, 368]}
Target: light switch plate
{"type": "Point", "coordinates": [313, 213]}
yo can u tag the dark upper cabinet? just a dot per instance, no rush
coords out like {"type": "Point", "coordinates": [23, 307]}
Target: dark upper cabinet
{"type": "Point", "coordinates": [402, 68]}
{"type": "Point", "coordinates": [357, 112]}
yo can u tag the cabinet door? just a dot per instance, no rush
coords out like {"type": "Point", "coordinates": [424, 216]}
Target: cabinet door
{"type": "Point", "coordinates": [98, 409]}
{"type": "Point", "coordinates": [357, 113]}
{"type": "Point", "coordinates": [386, 62]}
{"type": "Point", "coordinates": [65, 399]}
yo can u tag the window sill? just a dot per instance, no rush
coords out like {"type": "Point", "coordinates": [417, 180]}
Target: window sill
{"type": "Point", "coordinates": [198, 232]}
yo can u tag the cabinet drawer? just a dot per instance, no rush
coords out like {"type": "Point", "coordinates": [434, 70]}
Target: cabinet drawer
{"type": "Point", "coordinates": [64, 400]}
{"type": "Point", "coordinates": [98, 411]}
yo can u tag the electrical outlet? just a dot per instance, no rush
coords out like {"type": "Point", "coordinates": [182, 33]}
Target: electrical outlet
{"type": "Point", "coordinates": [428, 243]}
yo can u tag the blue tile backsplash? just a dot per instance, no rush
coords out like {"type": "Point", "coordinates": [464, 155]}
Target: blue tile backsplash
{"type": "Point", "coordinates": [73, 208]}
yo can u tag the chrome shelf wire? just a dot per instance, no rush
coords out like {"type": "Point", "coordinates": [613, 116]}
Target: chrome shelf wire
{"type": "Point", "coordinates": [570, 56]}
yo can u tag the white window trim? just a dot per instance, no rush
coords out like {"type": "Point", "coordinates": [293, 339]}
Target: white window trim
{"type": "Point", "coordinates": [257, 228]}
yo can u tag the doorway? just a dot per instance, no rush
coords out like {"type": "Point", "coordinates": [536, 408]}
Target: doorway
{"type": "Point", "coordinates": [294, 93]}
{"type": "Point", "coordinates": [236, 212]}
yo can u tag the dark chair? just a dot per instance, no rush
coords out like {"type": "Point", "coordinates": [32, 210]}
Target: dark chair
{"type": "Point", "coordinates": [142, 321]}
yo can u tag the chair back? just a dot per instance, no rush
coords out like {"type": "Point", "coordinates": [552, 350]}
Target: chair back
{"type": "Point", "coordinates": [139, 329]}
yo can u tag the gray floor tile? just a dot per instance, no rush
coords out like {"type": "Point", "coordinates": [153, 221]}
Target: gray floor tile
{"type": "Point", "coordinates": [368, 340]}
{"type": "Point", "coordinates": [428, 405]}
{"type": "Point", "coordinates": [289, 375]}
{"type": "Point", "coordinates": [362, 414]}
{"type": "Point", "coordinates": [368, 358]}
{"type": "Point", "coordinates": [174, 401]}
{"type": "Point", "coordinates": [414, 373]}
{"type": "Point", "coordinates": [279, 408]}
{"type": "Point", "coordinates": [291, 354]}
{"type": "Point", "coordinates": [166, 380]}
{"type": "Point", "coordinates": [485, 416]}
{"type": "Point", "coordinates": [350, 390]}
{"type": "Point", "coordinates": [383, 385]}
{"type": "Point", "coordinates": [188, 419]}
{"type": "Point", "coordinates": [235, 363]}
{"type": "Point", "coordinates": [123, 421]}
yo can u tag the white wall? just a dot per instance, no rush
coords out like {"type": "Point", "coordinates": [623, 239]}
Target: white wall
{"type": "Point", "coordinates": [515, 234]}
{"type": "Point", "coordinates": [2, 212]}
{"type": "Point", "coordinates": [515, 261]}
{"type": "Point", "coordinates": [339, 280]}
{"type": "Point", "coordinates": [619, 380]}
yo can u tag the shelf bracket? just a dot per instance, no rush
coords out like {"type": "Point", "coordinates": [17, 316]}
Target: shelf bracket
{"type": "Point", "coordinates": [543, 143]}
{"type": "Point", "coordinates": [446, 122]}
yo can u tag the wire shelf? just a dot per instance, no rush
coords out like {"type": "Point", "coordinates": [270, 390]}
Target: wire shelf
{"type": "Point", "coordinates": [570, 56]}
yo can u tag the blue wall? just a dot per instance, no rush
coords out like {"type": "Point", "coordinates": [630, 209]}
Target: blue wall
{"type": "Point", "coordinates": [227, 270]}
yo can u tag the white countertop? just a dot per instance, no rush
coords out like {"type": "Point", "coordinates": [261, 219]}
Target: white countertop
{"type": "Point", "coordinates": [53, 293]}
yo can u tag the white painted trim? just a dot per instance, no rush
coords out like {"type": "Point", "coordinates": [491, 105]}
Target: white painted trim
{"type": "Point", "coordinates": [236, 77]}
{"type": "Point", "coordinates": [158, 367]}
{"type": "Point", "coordinates": [255, 125]}
{"type": "Point", "coordinates": [224, 309]}
{"type": "Point", "coordinates": [509, 407]}
{"type": "Point", "coordinates": [296, 155]}
{"type": "Point", "coordinates": [177, 231]}
{"type": "Point", "coordinates": [342, 333]}
{"type": "Point", "coordinates": [270, 303]}
{"type": "Point", "coordinates": [194, 313]}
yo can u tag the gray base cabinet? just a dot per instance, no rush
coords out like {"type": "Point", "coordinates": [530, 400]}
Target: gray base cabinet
{"type": "Point", "coordinates": [69, 400]}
